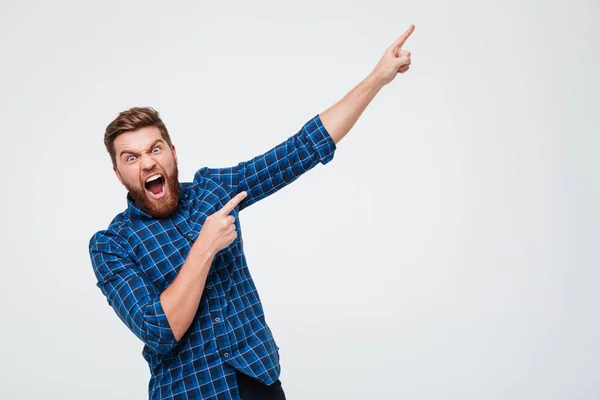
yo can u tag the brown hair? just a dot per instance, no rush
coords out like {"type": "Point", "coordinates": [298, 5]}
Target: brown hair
{"type": "Point", "coordinates": [130, 120]}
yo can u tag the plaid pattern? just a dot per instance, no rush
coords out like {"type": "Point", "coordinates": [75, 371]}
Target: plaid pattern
{"type": "Point", "coordinates": [138, 256]}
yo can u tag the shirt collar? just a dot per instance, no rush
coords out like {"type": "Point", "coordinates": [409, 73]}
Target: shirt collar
{"type": "Point", "coordinates": [135, 210]}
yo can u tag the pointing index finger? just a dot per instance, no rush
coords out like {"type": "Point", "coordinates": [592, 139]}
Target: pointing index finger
{"type": "Point", "coordinates": [231, 204]}
{"type": "Point", "coordinates": [400, 41]}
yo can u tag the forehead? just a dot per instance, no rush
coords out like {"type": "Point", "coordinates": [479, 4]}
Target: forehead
{"type": "Point", "coordinates": [138, 140]}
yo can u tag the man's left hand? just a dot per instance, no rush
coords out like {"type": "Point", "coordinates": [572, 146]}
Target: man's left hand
{"type": "Point", "coordinates": [394, 61]}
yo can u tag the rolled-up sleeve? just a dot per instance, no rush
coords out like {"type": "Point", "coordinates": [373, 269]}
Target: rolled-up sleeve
{"type": "Point", "coordinates": [267, 173]}
{"type": "Point", "coordinates": [130, 293]}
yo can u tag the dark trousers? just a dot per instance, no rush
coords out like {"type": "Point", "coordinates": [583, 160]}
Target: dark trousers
{"type": "Point", "coordinates": [251, 389]}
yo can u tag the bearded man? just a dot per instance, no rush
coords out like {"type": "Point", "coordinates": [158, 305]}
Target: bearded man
{"type": "Point", "coordinates": [172, 265]}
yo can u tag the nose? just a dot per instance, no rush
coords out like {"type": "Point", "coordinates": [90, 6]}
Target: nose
{"type": "Point", "coordinates": [148, 162]}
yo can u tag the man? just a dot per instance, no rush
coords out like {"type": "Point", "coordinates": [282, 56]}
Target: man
{"type": "Point", "coordinates": [172, 265]}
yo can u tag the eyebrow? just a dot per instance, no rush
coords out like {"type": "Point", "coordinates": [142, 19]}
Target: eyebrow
{"type": "Point", "coordinates": [126, 151]}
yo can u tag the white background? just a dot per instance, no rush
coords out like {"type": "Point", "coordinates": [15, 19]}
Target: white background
{"type": "Point", "coordinates": [449, 251]}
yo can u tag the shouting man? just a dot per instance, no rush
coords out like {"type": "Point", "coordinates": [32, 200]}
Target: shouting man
{"type": "Point", "coordinates": [172, 265]}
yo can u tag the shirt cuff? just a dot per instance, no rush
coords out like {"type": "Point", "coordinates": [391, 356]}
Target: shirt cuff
{"type": "Point", "coordinates": [320, 139]}
{"type": "Point", "coordinates": [159, 335]}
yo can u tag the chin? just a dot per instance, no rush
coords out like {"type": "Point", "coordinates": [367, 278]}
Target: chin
{"type": "Point", "coordinates": [159, 205]}
{"type": "Point", "coordinates": [164, 206]}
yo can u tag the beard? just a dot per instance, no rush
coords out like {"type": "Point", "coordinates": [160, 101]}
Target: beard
{"type": "Point", "coordinates": [163, 207]}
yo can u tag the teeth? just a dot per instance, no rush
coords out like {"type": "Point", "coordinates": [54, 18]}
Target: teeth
{"type": "Point", "coordinates": [153, 178]}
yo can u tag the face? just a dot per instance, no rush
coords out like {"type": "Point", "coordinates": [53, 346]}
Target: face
{"type": "Point", "coordinates": [147, 167]}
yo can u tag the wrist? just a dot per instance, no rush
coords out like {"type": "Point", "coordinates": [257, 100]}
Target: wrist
{"type": "Point", "coordinates": [202, 253]}
{"type": "Point", "coordinates": [375, 80]}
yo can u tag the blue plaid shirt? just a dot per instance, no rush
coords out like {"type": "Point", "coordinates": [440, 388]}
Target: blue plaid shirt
{"type": "Point", "coordinates": [138, 256]}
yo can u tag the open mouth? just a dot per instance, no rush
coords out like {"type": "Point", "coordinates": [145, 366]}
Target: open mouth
{"type": "Point", "coordinates": [155, 186]}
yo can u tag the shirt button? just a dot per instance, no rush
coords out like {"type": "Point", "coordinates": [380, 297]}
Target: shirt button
{"type": "Point", "coordinates": [226, 354]}
{"type": "Point", "coordinates": [209, 287]}
{"type": "Point", "coordinates": [217, 319]}
{"type": "Point", "coordinates": [190, 234]}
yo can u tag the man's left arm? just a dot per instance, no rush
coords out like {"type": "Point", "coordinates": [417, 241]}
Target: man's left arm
{"type": "Point", "coordinates": [316, 141]}
{"type": "Point", "coordinates": [267, 173]}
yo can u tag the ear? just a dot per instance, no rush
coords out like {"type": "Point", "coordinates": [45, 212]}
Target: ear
{"type": "Point", "coordinates": [174, 153]}
{"type": "Point", "coordinates": [118, 175]}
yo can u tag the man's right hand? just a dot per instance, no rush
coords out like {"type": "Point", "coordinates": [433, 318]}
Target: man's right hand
{"type": "Point", "coordinates": [218, 230]}
{"type": "Point", "coordinates": [181, 298]}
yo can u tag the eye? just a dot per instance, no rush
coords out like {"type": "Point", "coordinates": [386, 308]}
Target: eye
{"type": "Point", "coordinates": [156, 149]}
{"type": "Point", "coordinates": [130, 158]}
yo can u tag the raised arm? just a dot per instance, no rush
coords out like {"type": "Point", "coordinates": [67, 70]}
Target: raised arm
{"type": "Point", "coordinates": [316, 141]}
